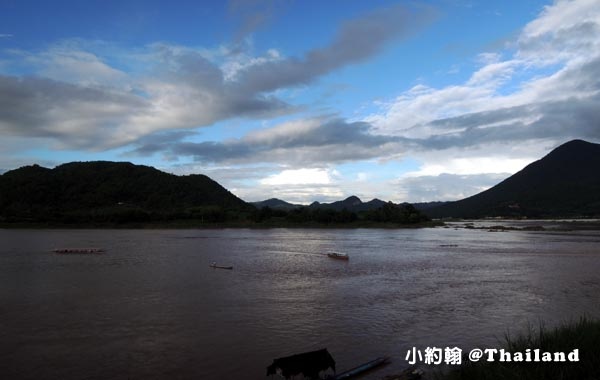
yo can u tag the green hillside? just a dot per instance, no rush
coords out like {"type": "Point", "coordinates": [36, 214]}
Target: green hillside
{"type": "Point", "coordinates": [111, 192]}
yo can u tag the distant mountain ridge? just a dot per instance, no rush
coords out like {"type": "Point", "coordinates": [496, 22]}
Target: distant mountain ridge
{"type": "Point", "coordinates": [564, 183]}
{"type": "Point", "coordinates": [275, 203]}
{"type": "Point", "coordinates": [352, 203]}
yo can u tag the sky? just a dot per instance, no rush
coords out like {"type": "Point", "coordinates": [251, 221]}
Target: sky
{"type": "Point", "coordinates": [408, 101]}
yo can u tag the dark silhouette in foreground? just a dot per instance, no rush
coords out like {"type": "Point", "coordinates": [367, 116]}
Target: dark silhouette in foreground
{"type": "Point", "coordinates": [309, 364]}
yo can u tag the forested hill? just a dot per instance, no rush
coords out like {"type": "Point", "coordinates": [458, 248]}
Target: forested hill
{"type": "Point", "coordinates": [111, 192]}
{"type": "Point", "coordinates": [564, 183]}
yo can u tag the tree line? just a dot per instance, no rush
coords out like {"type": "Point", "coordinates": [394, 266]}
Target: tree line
{"type": "Point", "coordinates": [388, 213]}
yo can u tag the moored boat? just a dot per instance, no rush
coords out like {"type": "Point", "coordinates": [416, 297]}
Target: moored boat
{"type": "Point", "coordinates": [78, 250]}
{"type": "Point", "coordinates": [338, 255]}
{"type": "Point", "coordinates": [362, 368]}
{"type": "Point", "coordinates": [215, 266]}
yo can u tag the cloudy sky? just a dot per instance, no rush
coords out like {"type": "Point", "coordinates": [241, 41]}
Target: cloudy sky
{"type": "Point", "coordinates": [301, 100]}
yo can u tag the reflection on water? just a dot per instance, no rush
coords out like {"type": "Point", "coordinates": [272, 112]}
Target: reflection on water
{"type": "Point", "coordinates": [152, 308]}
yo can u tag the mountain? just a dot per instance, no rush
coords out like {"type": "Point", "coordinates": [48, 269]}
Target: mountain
{"type": "Point", "coordinates": [564, 183]}
{"type": "Point", "coordinates": [352, 203]}
{"type": "Point", "coordinates": [422, 206]}
{"type": "Point", "coordinates": [110, 191]}
{"type": "Point", "coordinates": [275, 203]}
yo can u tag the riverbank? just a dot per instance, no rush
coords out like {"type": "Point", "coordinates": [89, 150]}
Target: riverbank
{"type": "Point", "coordinates": [197, 224]}
{"type": "Point", "coordinates": [580, 339]}
{"type": "Point", "coordinates": [583, 335]}
{"type": "Point", "coordinates": [505, 225]}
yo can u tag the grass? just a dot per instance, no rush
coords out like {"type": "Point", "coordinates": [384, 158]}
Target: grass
{"type": "Point", "coordinates": [583, 335]}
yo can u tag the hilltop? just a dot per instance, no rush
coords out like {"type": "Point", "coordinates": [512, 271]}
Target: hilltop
{"type": "Point", "coordinates": [564, 183]}
{"type": "Point", "coordinates": [121, 193]}
{"type": "Point", "coordinates": [103, 191]}
{"type": "Point", "coordinates": [276, 204]}
{"type": "Point", "coordinates": [352, 203]}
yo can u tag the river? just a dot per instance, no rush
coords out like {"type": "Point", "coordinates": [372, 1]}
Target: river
{"type": "Point", "coordinates": [150, 307]}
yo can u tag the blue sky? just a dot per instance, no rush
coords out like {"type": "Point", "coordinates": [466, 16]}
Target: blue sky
{"type": "Point", "coordinates": [301, 100]}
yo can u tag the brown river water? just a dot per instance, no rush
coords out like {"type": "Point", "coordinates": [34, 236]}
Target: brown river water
{"type": "Point", "coordinates": [150, 307]}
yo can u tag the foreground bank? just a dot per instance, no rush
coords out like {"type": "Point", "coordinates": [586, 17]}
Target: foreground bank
{"type": "Point", "coordinates": [536, 355]}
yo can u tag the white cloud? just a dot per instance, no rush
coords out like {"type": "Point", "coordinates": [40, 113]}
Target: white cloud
{"type": "Point", "coordinates": [80, 100]}
{"type": "Point", "coordinates": [488, 58]}
{"type": "Point", "coordinates": [71, 61]}
{"type": "Point", "coordinates": [362, 176]}
{"type": "Point", "coordinates": [245, 182]}
{"type": "Point", "coordinates": [298, 194]}
{"type": "Point", "coordinates": [553, 78]}
{"type": "Point", "coordinates": [80, 67]}
{"type": "Point", "coordinates": [299, 177]}
{"type": "Point", "coordinates": [565, 30]}
{"type": "Point", "coordinates": [177, 87]}
{"type": "Point", "coordinates": [493, 74]}
{"type": "Point", "coordinates": [236, 63]}
{"type": "Point", "coordinates": [470, 166]}
{"type": "Point", "coordinates": [445, 187]}
{"type": "Point", "coordinates": [543, 42]}
{"type": "Point", "coordinates": [287, 131]}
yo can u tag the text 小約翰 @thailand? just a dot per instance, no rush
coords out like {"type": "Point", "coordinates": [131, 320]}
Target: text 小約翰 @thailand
{"type": "Point", "coordinates": [454, 356]}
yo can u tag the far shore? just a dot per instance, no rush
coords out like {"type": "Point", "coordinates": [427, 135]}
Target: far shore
{"type": "Point", "coordinates": [492, 225]}
{"type": "Point", "coordinates": [187, 224]}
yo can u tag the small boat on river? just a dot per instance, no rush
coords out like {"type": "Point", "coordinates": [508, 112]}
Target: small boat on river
{"type": "Point", "coordinates": [362, 368]}
{"type": "Point", "coordinates": [338, 255]}
{"type": "Point", "coordinates": [78, 250]}
{"type": "Point", "coordinates": [215, 266]}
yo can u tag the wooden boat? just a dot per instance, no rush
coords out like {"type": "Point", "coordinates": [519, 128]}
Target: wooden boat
{"type": "Point", "coordinates": [338, 255]}
{"type": "Point", "coordinates": [310, 364]}
{"type": "Point", "coordinates": [215, 266]}
{"type": "Point", "coordinates": [307, 364]}
{"type": "Point", "coordinates": [361, 368]}
{"type": "Point", "coordinates": [78, 250]}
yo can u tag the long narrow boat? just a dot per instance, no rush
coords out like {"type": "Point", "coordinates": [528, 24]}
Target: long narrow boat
{"type": "Point", "coordinates": [215, 266]}
{"type": "Point", "coordinates": [338, 255]}
{"type": "Point", "coordinates": [362, 368]}
{"type": "Point", "coordinates": [78, 250]}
